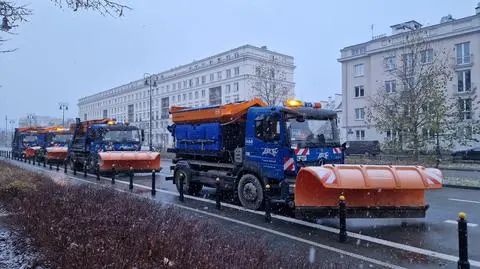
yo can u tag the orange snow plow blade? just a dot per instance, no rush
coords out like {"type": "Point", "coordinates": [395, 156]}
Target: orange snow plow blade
{"type": "Point", "coordinates": [57, 153]}
{"type": "Point", "coordinates": [123, 160]}
{"type": "Point", "coordinates": [31, 151]}
{"type": "Point", "coordinates": [371, 191]}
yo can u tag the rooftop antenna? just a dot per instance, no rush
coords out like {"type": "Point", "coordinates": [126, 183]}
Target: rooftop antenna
{"type": "Point", "coordinates": [372, 30]}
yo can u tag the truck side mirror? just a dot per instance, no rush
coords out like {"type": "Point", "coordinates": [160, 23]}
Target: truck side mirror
{"type": "Point", "coordinates": [142, 132]}
{"type": "Point", "coordinates": [300, 118]}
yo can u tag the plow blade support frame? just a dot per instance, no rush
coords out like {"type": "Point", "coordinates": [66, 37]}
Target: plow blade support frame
{"type": "Point", "coordinates": [371, 191]}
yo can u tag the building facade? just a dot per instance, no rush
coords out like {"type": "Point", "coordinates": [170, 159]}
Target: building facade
{"type": "Point", "coordinates": [42, 121]}
{"type": "Point", "coordinates": [365, 70]}
{"type": "Point", "coordinates": [219, 79]}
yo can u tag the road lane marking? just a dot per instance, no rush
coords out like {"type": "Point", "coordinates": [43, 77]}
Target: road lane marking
{"type": "Point", "coordinates": [456, 222]}
{"type": "Point", "coordinates": [387, 243]}
{"type": "Point", "coordinates": [466, 201]}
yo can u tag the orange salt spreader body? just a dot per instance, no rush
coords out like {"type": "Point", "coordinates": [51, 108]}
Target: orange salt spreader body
{"type": "Point", "coordinates": [369, 190]}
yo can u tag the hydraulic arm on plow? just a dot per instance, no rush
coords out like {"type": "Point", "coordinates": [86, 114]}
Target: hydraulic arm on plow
{"type": "Point", "coordinates": [295, 149]}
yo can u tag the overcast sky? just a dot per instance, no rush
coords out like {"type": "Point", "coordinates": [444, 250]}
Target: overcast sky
{"type": "Point", "coordinates": [64, 55]}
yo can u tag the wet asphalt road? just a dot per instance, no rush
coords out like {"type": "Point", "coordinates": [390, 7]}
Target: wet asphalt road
{"type": "Point", "coordinates": [437, 232]}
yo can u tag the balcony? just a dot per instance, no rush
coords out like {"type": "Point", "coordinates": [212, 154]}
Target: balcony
{"type": "Point", "coordinates": [462, 91]}
{"type": "Point", "coordinates": [464, 61]}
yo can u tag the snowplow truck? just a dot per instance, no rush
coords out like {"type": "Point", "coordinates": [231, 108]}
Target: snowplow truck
{"type": "Point", "coordinates": [26, 141]}
{"type": "Point", "coordinates": [108, 146]}
{"type": "Point", "coordinates": [54, 146]}
{"type": "Point", "coordinates": [295, 150]}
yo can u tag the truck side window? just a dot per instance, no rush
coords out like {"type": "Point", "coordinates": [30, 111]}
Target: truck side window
{"type": "Point", "coordinates": [272, 130]}
{"type": "Point", "coordinates": [259, 128]}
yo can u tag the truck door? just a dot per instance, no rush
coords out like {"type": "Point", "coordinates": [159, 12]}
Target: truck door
{"type": "Point", "coordinates": [263, 147]}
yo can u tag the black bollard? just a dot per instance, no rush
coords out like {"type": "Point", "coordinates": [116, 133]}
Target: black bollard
{"type": "Point", "coordinates": [44, 162]}
{"type": "Point", "coordinates": [98, 171]}
{"type": "Point", "coordinates": [154, 191]}
{"type": "Point", "coordinates": [24, 158]}
{"type": "Point", "coordinates": [74, 168]}
{"type": "Point", "coordinates": [50, 166]}
{"type": "Point", "coordinates": [29, 161]}
{"type": "Point", "coordinates": [85, 169]}
{"type": "Point", "coordinates": [218, 194]}
{"type": "Point", "coordinates": [113, 174]}
{"type": "Point", "coordinates": [33, 160]}
{"type": "Point", "coordinates": [462, 242]}
{"type": "Point", "coordinates": [342, 215]}
{"type": "Point", "coordinates": [268, 213]}
{"type": "Point", "coordinates": [38, 162]}
{"type": "Point", "coordinates": [65, 170]}
{"type": "Point", "coordinates": [182, 181]}
{"type": "Point", "coordinates": [58, 167]}
{"type": "Point", "coordinates": [130, 185]}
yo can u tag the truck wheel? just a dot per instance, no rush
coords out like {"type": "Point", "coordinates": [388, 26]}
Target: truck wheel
{"type": "Point", "coordinates": [250, 192]}
{"type": "Point", "coordinates": [190, 188]}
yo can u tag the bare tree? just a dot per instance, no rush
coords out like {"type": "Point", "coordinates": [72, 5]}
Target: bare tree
{"type": "Point", "coordinates": [270, 82]}
{"type": "Point", "coordinates": [413, 106]}
{"type": "Point", "coordinates": [11, 13]}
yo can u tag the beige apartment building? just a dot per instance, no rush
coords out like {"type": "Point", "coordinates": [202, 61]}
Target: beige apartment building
{"type": "Point", "coordinates": [365, 72]}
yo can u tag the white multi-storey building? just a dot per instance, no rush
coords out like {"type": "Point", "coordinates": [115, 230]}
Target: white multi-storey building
{"type": "Point", "coordinates": [222, 78]}
{"type": "Point", "coordinates": [364, 71]}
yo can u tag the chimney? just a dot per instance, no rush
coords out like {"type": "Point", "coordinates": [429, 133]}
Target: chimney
{"type": "Point", "coordinates": [477, 9]}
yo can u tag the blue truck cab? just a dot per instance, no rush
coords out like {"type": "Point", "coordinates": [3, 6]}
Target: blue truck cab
{"type": "Point", "coordinates": [267, 145]}
{"type": "Point", "coordinates": [24, 138]}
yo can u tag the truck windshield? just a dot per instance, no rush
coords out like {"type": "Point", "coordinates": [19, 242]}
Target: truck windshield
{"type": "Point", "coordinates": [122, 136]}
{"type": "Point", "coordinates": [313, 133]}
{"type": "Point", "coordinates": [30, 138]}
{"type": "Point", "coordinates": [62, 138]}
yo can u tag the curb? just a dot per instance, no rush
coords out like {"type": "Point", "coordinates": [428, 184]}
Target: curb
{"type": "Point", "coordinates": [461, 187]}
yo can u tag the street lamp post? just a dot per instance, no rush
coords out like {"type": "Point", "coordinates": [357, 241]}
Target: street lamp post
{"type": "Point", "coordinates": [151, 81]}
{"type": "Point", "coordinates": [12, 122]}
{"type": "Point", "coordinates": [63, 107]}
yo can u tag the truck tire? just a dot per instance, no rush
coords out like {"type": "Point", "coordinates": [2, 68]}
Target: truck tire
{"type": "Point", "coordinates": [190, 188]}
{"type": "Point", "coordinates": [250, 192]}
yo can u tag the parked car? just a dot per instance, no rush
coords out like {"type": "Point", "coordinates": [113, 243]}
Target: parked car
{"type": "Point", "coordinates": [363, 147]}
{"type": "Point", "coordinates": [468, 154]}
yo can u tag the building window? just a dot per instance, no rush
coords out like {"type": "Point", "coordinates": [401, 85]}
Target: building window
{"type": "Point", "coordinates": [165, 106]}
{"type": "Point", "coordinates": [465, 108]}
{"type": "Point", "coordinates": [407, 60]}
{"type": "Point", "coordinates": [236, 98]}
{"type": "Point", "coordinates": [463, 53]}
{"type": "Point", "coordinates": [227, 88]}
{"type": "Point", "coordinates": [391, 86]}
{"type": "Point", "coordinates": [184, 97]}
{"type": "Point", "coordinates": [359, 91]}
{"type": "Point", "coordinates": [215, 95]}
{"type": "Point", "coordinates": [359, 70]}
{"type": "Point", "coordinates": [428, 133]}
{"type": "Point", "coordinates": [464, 81]}
{"type": "Point", "coordinates": [426, 56]}
{"type": "Point", "coordinates": [212, 77]}
{"type": "Point", "coordinates": [174, 86]}
{"type": "Point", "coordinates": [204, 79]}
{"type": "Point", "coordinates": [229, 73]}
{"type": "Point", "coordinates": [360, 134]}
{"type": "Point", "coordinates": [391, 63]}
{"type": "Point", "coordinates": [391, 135]}
{"type": "Point", "coordinates": [190, 83]}
{"type": "Point", "coordinates": [203, 93]}
{"type": "Point", "coordinates": [236, 71]}
{"type": "Point", "coordinates": [179, 98]}
{"type": "Point", "coordinates": [219, 75]}
{"type": "Point", "coordinates": [197, 81]}
{"type": "Point", "coordinates": [173, 98]}
{"type": "Point", "coordinates": [235, 87]}
{"type": "Point", "coordinates": [168, 87]}
{"type": "Point", "coordinates": [179, 85]}
{"type": "Point", "coordinates": [465, 132]}
{"type": "Point", "coordinates": [190, 96]}
{"type": "Point", "coordinates": [359, 113]}
{"type": "Point", "coordinates": [236, 55]}
{"type": "Point", "coordinates": [184, 84]}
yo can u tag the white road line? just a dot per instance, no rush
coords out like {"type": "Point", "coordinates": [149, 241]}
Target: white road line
{"type": "Point", "coordinates": [387, 243]}
{"type": "Point", "coordinates": [466, 201]}
{"type": "Point", "coordinates": [455, 222]}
